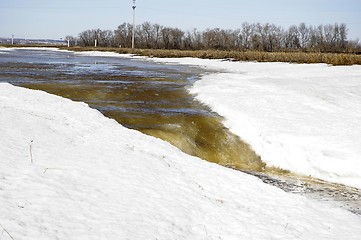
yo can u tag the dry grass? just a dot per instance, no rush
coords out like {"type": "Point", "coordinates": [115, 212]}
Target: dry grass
{"type": "Point", "coordinates": [290, 57]}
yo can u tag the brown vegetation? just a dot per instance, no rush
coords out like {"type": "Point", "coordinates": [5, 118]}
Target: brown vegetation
{"type": "Point", "coordinates": [257, 56]}
{"type": "Point", "coordinates": [291, 57]}
{"type": "Point", "coordinates": [251, 42]}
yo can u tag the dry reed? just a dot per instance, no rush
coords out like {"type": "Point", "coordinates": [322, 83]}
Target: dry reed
{"type": "Point", "coordinates": [290, 57]}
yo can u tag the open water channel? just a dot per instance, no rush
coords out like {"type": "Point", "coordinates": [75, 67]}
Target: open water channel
{"type": "Point", "coordinates": [153, 98]}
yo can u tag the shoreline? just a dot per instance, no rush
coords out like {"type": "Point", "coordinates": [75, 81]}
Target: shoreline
{"type": "Point", "coordinates": [302, 153]}
{"type": "Point", "coordinates": [336, 59]}
{"type": "Point", "coordinates": [105, 176]}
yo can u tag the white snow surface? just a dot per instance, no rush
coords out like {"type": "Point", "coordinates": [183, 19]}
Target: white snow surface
{"type": "Point", "coordinates": [305, 118]}
{"type": "Point", "coordinates": [68, 172]}
{"type": "Point", "coordinates": [54, 49]}
{"type": "Point", "coordinates": [300, 117]}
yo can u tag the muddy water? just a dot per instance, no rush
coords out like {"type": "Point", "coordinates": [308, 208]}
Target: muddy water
{"type": "Point", "coordinates": [153, 99]}
{"type": "Point", "coordinates": [145, 96]}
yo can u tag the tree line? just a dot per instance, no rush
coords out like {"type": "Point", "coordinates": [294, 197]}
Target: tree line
{"type": "Point", "coordinates": [254, 37]}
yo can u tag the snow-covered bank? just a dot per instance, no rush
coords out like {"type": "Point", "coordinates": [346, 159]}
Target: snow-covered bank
{"type": "Point", "coordinates": [300, 117]}
{"type": "Point", "coordinates": [303, 118]}
{"type": "Point", "coordinates": [91, 178]}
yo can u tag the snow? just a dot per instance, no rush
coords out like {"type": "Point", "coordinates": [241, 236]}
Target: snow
{"type": "Point", "coordinates": [106, 54]}
{"type": "Point", "coordinates": [54, 49]}
{"type": "Point", "coordinates": [4, 50]}
{"type": "Point", "coordinates": [300, 117]}
{"type": "Point", "coordinates": [68, 172]}
{"type": "Point", "coordinates": [303, 118]}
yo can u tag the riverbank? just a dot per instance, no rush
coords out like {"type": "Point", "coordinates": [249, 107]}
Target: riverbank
{"type": "Point", "coordinates": [299, 117]}
{"type": "Point", "coordinates": [293, 115]}
{"type": "Point", "coordinates": [289, 57]}
{"type": "Point", "coordinates": [68, 172]}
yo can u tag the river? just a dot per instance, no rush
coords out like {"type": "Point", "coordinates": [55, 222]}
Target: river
{"type": "Point", "coordinates": [153, 98]}
{"type": "Point", "coordinates": [141, 95]}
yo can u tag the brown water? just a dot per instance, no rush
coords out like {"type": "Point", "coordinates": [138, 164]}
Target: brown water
{"type": "Point", "coordinates": [163, 110]}
{"type": "Point", "coordinates": [145, 96]}
{"type": "Point", "coordinates": [153, 99]}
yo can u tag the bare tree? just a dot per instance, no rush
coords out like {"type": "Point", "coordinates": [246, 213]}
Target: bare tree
{"type": "Point", "coordinates": [259, 37]}
{"type": "Point", "coordinates": [343, 36]}
{"type": "Point", "coordinates": [72, 40]}
{"type": "Point", "coordinates": [293, 38]}
{"type": "Point", "coordinates": [304, 35]}
{"type": "Point", "coordinates": [123, 35]}
{"type": "Point", "coordinates": [246, 35]}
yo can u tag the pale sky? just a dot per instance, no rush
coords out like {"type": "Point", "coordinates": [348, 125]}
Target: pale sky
{"type": "Point", "coordinates": [55, 19]}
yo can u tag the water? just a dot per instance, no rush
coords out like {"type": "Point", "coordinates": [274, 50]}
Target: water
{"type": "Point", "coordinates": [141, 95]}
{"type": "Point", "coordinates": [153, 99]}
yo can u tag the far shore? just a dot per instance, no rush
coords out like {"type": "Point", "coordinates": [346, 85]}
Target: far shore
{"type": "Point", "coordinates": [290, 57]}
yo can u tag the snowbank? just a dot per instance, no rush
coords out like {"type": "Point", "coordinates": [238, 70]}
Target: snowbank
{"type": "Point", "coordinates": [91, 178]}
{"type": "Point", "coordinates": [303, 118]}
{"type": "Point", "coordinates": [106, 54]}
{"type": "Point", "coordinates": [299, 117]}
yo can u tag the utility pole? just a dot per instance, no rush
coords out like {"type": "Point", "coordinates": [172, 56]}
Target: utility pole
{"type": "Point", "coordinates": [133, 33]}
